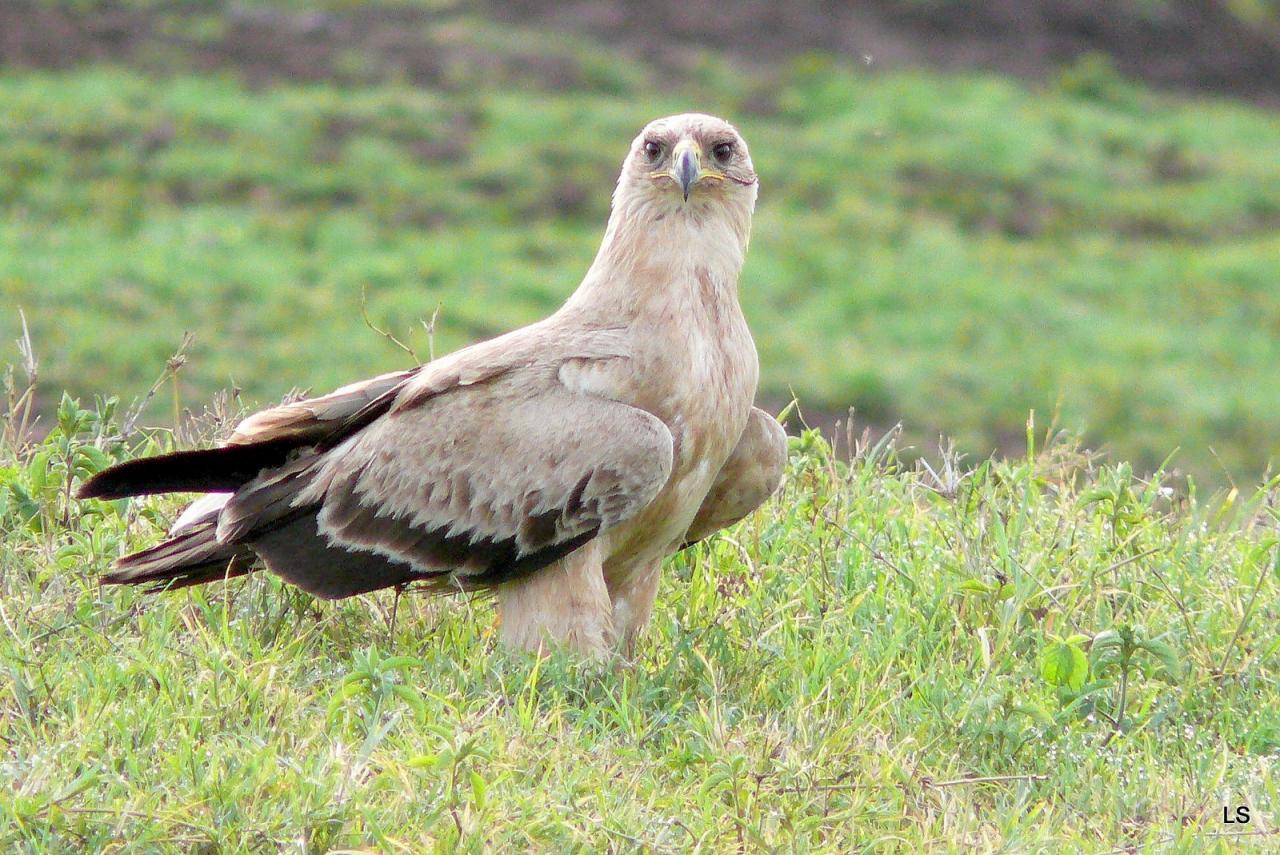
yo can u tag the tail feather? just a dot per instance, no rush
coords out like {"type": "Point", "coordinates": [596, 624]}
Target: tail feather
{"type": "Point", "coordinates": [190, 558]}
{"type": "Point", "coordinates": [211, 470]}
{"type": "Point", "coordinates": [295, 550]}
{"type": "Point", "coordinates": [230, 467]}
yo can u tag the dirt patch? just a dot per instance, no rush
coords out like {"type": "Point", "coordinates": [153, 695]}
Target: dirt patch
{"type": "Point", "coordinates": [1185, 44]}
{"type": "Point", "coordinates": [1191, 44]}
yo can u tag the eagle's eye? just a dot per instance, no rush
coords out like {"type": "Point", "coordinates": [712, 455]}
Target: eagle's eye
{"type": "Point", "coordinates": [722, 151]}
{"type": "Point", "coordinates": [653, 149]}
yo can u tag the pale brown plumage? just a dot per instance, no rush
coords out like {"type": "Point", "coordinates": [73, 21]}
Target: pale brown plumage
{"type": "Point", "coordinates": [558, 464]}
{"type": "Point", "coordinates": [753, 471]}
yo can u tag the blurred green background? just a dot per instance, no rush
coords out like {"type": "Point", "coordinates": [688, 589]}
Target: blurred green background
{"type": "Point", "coordinates": [967, 210]}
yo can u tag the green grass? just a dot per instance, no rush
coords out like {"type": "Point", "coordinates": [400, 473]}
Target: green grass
{"type": "Point", "coordinates": [951, 250]}
{"type": "Point", "coordinates": [1039, 654]}
{"type": "Point", "coordinates": [882, 660]}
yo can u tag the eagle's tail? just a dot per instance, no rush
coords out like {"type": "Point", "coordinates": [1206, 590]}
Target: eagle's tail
{"type": "Point", "coordinates": [210, 470]}
{"type": "Point", "coordinates": [191, 558]}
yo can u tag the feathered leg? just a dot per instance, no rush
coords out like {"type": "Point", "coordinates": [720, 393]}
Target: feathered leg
{"type": "Point", "coordinates": [633, 603]}
{"type": "Point", "coordinates": [565, 603]}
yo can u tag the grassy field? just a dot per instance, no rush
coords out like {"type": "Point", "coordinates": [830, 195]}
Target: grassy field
{"type": "Point", "coordinates": [1044, 655]}
{"type": "Point", "coordinates": [1037, 654]}
{"type": "Point", "coordinates": [951, 251]}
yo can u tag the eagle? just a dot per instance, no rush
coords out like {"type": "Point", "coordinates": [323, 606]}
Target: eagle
{"type": "Point", "coordinates": [555, 466]}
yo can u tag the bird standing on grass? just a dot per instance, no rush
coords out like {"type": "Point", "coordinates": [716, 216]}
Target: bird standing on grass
{"type": "Point", "coordinates": [556, 465]}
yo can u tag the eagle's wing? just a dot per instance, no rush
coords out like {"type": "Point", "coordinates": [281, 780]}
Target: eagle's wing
{"type": "Point", "coordinates": [474, 469]}
{"type": "Point", "coordinates": [295, 423]}
{"type": "Point", "coordinates": [314, 417]}
{"type": "Point", "coordinates": [472, 485]}
{"type": "Point", "coordinates": [750, 476]}
{"type": "Point", "coordinates": [261, 442]}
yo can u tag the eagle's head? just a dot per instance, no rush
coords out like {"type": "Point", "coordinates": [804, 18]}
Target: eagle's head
{"type": "Point", "coordinates": [690, 162]}
{"type": "Point", "coordinates": [687, 192]}
{"type": "Point", "coordinates": [681, 211]}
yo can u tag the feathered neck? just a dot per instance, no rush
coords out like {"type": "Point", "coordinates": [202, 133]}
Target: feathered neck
{"type": "Point", "coordinates": [659, 249]}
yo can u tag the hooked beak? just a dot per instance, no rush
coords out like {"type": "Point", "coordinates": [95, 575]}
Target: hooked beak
{"type": "Point", "coordinates": [686, 165]}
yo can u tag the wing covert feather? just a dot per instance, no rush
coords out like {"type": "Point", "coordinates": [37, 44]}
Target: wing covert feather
{"type": "Point", "coordinates": [312, 418]}
{"type": "Point", "coordinates": [490, 481]}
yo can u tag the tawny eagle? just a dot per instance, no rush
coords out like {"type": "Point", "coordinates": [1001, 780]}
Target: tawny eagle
{"type": "Point", "coordinates": [556, 465]}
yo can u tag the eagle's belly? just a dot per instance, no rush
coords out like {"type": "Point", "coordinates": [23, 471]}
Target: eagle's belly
{"type": "Point", "coordinates": [705, 426]}
{"type": "Point", "coordinates": [659, 529]}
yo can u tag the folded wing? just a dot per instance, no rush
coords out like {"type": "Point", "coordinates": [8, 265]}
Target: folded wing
{"type": "Point", "coordinates": [466, 484]}
{"type": "Point", "coordinates": [476, 486]}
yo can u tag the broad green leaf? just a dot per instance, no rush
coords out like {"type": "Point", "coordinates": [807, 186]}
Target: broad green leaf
{"type": "Point", "coordinates": [1064, 665]}
{"type": "Point", "coordinates": [1166, 654]}
{"type": "Point", "coordinates": [976, 587]}
{"type": "Point", "coordinates": [1106, 638]}
{"type": "Point", "coordinates": [1034, 711]}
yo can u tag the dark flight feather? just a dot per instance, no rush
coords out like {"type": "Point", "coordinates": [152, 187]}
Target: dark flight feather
{"type": "Point", "coordinates": [210, 470]}
{"type": "Point", "coordinates": [190, 558]}
{"type": "Point", "coordinates": [224, 469]}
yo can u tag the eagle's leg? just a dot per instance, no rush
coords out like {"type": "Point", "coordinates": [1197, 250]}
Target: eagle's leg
{"type": "Point", "coordinates": [633, 603]}
{"type": "Point", "coordinates": [749, 477]}
{"type": "Point", "coordinates": [565, 604]}
{"type": "Point", "coordinates": [395, 610]}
